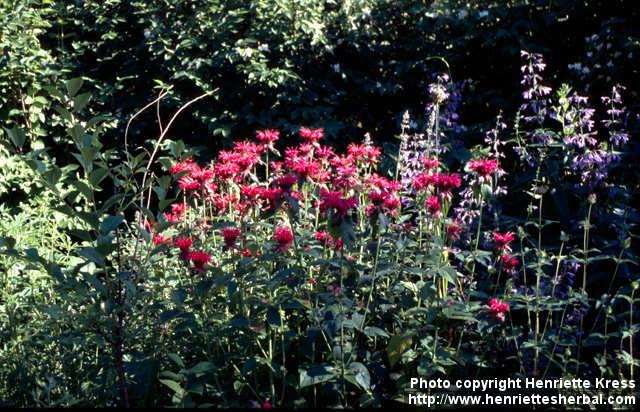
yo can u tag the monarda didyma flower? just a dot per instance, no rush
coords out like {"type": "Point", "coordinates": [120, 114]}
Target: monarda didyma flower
{"type": "Point", "coordinates": [498, 309]}
{"type": "Point", "coordinates": [283, 237]}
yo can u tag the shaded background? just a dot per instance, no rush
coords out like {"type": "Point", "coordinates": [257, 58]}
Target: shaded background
{"type": "Point", "coordinates": [349, 66]}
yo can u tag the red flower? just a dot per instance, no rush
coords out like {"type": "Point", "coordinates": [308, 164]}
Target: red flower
{"type": "Point", "coordinates": [383, 183]}
{"type": "Point", "coordinates": [509, 264]}
{"type": "Point", "coordinates": [227, 170]}
{"type": "Point", "coordinates": [302, 166]}
{"type": "Point", "coordinates": [203, 174]}
{"type": "Point", "coordinates": [503, 241]}
{"type": "Point", "coordinates": [422, 181]}
{"type": "Point", "coordinates": [335, 289]}
{"type": "Point", "coordinates": [186, 165]}
{"type": "Point", "coordinates": [177, 212]}
{"type": "Point", "coordinates": [323, 237]}
{"type": "Point", "coordinates": [183, 243]}
{"type": "Point", "coordinates": [268, 137]}
{"type": "Point", "coordinates": [498, 309]}
{"type": "Point", "coordinates": [311, 135]}
{"type": "Point", "coordinates": [188, 183]}
{"type": "Point", "coordinates": [430, 163]}
{"type": "Point", "coordinates": [179, 208]}
{"type": "Point", "coordinates": [160, 240]}
{"type": "Point", "coordinates": [251, 193]}
{"type": "Point", "coordinates": [283, 237]}
{"type": "Point", "coordinates": [273, 196]}
{"type": "Point", "coordinates": [230, 235]}
{"type": "Point", "coordinates": [433, 205]}
{"type": "Point", "coordinates": [382, 201]}
{"type": "Point", "coordinates": [364, 153]}
{"type": "Point", "coordinates": [324, 152]}
{"type": "Point", "coordinates": [445, 182]}
{"type": "Point", "coordinates": [267, 405]}
{"type": "Point", "coordinates": [199, 259]}
{"type": "Point", "coordinates": [336, 203]}
{"type": "Point", "coordinates": [453, 232]}
{"type": "Point", "coordinates": [484, 167]}
{"type": "Point", "coordinates": [285, 182]}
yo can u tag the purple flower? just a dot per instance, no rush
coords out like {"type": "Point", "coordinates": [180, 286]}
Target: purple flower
{"type": "Point", "coordinates": [618, 113]}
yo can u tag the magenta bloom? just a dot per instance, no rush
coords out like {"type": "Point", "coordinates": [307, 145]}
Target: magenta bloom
{"type": "Point", "coordinates": [333, 200]}
{"type": "Point", "coordinates": [430, 163]}
{"type": "Point", "coordinates": [364, 153]}
{"type": "Point", "coordinates": [509, 264]}
{"type": "Point", "coordinates": [382, 201]}
{"type": "Point", "coordinates": [285, 182]}
{"type": "Point", "coordinates": [268, 137]}
{"type": "Point", "coordinates": [433, 205]}
{"type": "Point", "coordinates": [185, 165]}
{"type": "Point", "coordinates": [503, 241]}
{"type": "Point", "coordinates": [184, 244]}
{"type": "Point", "coordinates": [445, 182]}
{"type": "Point", "coordinates": [484, 167]}
{"type": "Point", "coordinates": [498, 309]}
{"type": "Point", "coordinates": [283, 237]}
{"type": "Point", "coordinates": [160, 240]}
{"type": "Point", "coordinates": [230, 235]}
{"type": "Point", "coordinates": [311, 135]}
{"type": "Point", "coordinates": [453, 232]}
{"type": "Point", "coordinates": [199, 259]}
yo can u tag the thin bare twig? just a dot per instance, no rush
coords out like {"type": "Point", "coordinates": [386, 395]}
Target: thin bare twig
{"type": "Point", "coordinates": [163, 134]}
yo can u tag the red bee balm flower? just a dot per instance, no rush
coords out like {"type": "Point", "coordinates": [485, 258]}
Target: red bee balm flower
{"type": "Point", "coordinates": [323, 237]}
{"type": "Point", "coordinates": [187, 164]}
{"type": "Point", "coordinates": [335, 202]}
{"type": "Point", "coordinates": [160, 240]}
{"type": "Point", "coordinates": [454, 231]}
{"type": "Point", "coordinates": [484, 167]}
{"type": "Point", "coordinates": [503, 241]}
{"type": "Point", "coordinates": [199, 259]}
{"type": "Point", "coordinates": [430, 163]}
{"type": "Point", "coordinates": [268, 137]}
{"type": "Point", "coordinates": [284, 237]}
{"type": "Point", "coordinates": [433, 205]}
{"type": "Point", "coordinates": [509, 264]}
{"type": "Point", "coordinates": [184, 244]}
{"type": "Point", "coordinates": [311, 135]}
{"type": "Point", "coordinates": [498, 309]}
{"type": "Point", "coordinates": [230, 235]}
{"type": "Point", "coordinates": [445, 182]}
{"type": "Point", "coordinates": [285, 182]}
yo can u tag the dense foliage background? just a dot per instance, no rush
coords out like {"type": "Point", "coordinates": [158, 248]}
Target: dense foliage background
{"type": "Point", "coordinates": [73, 73]}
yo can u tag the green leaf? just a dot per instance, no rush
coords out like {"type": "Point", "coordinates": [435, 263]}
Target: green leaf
{"type": "Point", "coordinates": [83, 188]}
{"type": "Point", "coordinates": [397, 345]}
{"type": "Point", "coordinates": [110, 223]}
{"type": "Point", "coordinates": [174, 386]}
{"type": "Point", "coordinates": [98, 175]}
{"type": "Point", "coordinates": [92, 255]}
{"type": "Point", "coordinates": [372, 331]}
{"type": "Point", "coordinates": [315, 374]}
{"type": "Point", "coordinates": [202, 367]}
{"type": "Point", "coordinates": [176, 358]}
{"type": "Point", "coordinates": [80, 102]}
{"type": "Point", "coordinates": [361, 376]}
{"type": "Point", "coordinates": [73, 86]}
{"type": "Point", "coordinates": [17, 136]}
{"type": "Point", "coordinates": [273, 317]}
